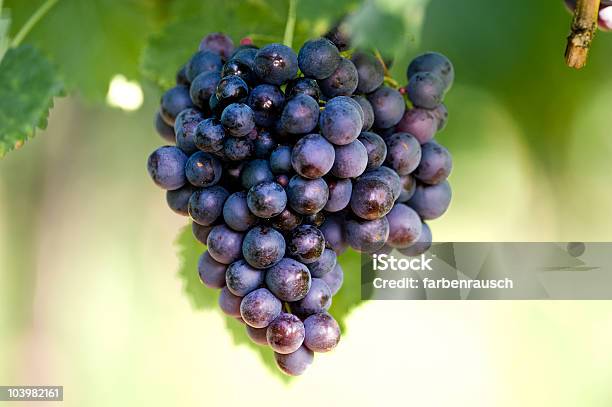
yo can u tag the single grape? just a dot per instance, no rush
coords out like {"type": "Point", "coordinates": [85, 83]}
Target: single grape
{"type": "Point", "coordinates": [267, 199]}
{"type": "Point", "coordinates": [276, 64]}
{"type": "Point", "coordinates": [203, 87]}
{"type": "Point", "coordinates": [203, 170]}
{"type": "Point", "coordinates": [245, 54]}
{"type": "Point", "coordinates": [324, 264]}
{"type": "Point", "coordinates": [287, 220]}
{"type": "Point", "coordinates": [256, 172]}
{"type": "Point", "coordinates": [241, 278]}
{"type": "Point", "coordinates": [312, 156]}
{"type": "Point", "coordinates": [367, 236]}
{"type": "Point", "coordinates": [238, 149]}
{"type": "Point", "coordinates": [322, 332]}
{"type": "Point", "coordinates": [421, 123]}
{"type": "Point", "coordinates": [436, 164]}
{"type": "Point", "coordinates": [318, 299]}
{"type": "Point", "coordinates": [296, 363]}
{"type": "Point", "coordinates": [318, 58]}
{"type": "Point", "coordinates": [421, 245]}
{"type": "Point", "coordinates": [218, 43]}
{"type": "Point", "coordinates": [240, 69]}
{"type": "Point", "coordinates": [209, 136]}
{"type": "Point", "coordinates": [164, 129]}
{"type": "Point", "coordinates": [370, 71]}
{"type": "Point", "coordinates": [200, 232]}
{"type": "Point", "coordinates": [263, 247]}
{"type": "Point", "coordinates": [260, 307]}
{"type": "Point", "coordinates": [224, 244]}
{"type": "Point", "coordinates": [426, 90]}
{"type": "Point", "coordinates": [306, 243]}
{"type": "Point", "coordinates": [257, 335]}
{"type": "Point", "coordinates": [335, 237]}
{"type": "Point", "coordinates": [316, 219]}
{"type": "Point", "coordinates": [181, 76]}
{"type": "Point", "coordinates": [388, 176]}
{"type": "Point", "coordinates": [334, 279]}
{"type": "Point", "coordinates": [408, 185]}
{"type": "Point", "coordinates": [185, 127]}
{"type": "Point", "coordinates": [368, 112]}
{"type": "Point", "coordinates": [166, 166]}
{"type": "Point", "coordinates": [285, 334]}
{"type": "Point", "coordinates": [306, 196]}
{"type": "Point", "coordinates": [263, 143]}
{"type": "Point", "coordinates": [404, 226]}
{"type": "Point", "coordinates": [403, 153]}
{"type": "Point", "coordinates": [441, 113]}
{"type": "Point", "coordinates": [388, 105]}
{"type": "Point", "coordinates": [340, 122]}
{"type": "Point", "coordinates": [267, 101]}
{"type": "Point", "coordinates": [201, 62]}
{"type": "Point", "coordinates": [231, 89]}
{"type": "Point", "coordinates": [431, 201]}
{"type": "Point", "coordinates": [206, 205]}
{"type": "Point", "coordinates": [300, 115]}
{"type": "Point", "coordinates": [289, 280]}
{"type": "Point", "coordinates": [236, 213]}
{"type": "Point", "coordinates": [351, 160]}
{"type": "Point", "coordinates": [211, 272]}
{"type": "Point", "coordinates": [340, 35]}
{"type": "Point", "coordinates": [229, 303]}
{"type": "Point", "coordinates": [178, 199]}
{"type": "Point", "coordinates": [238, 119]}
{"type": "Point", "coordinates": [340, 191]}
{"type": "Point", "coordinates": [375, 147]}
{"type": "Point", "coordinates": [303, 86]}
{"type": "Point", "coordinates": [372, 198]}
{"type": "Point", "coordinates": [435, 63]}
{"type": "Point", "coordinates": [280, 160]}
{"type": "Point", "coordinates": [173, 102]}
{"type": "Point", "coordinates": [342, 82]}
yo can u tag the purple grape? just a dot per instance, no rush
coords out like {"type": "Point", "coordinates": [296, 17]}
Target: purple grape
{"type": "Point", "coordinates": [259, 308]}
{"type": "Point", "coordinates": [185, 128]}
{"type": "Point", "coordinates": [408, 185]}
{"type": "Point", "coordinates": [282, 180]}
{"type": "Point", "coordinates": [441, 113]}
{"type": "Point", "coordinates": [340, 191]}
{"type": "Point", "coordinates": [388, 105]}
{"type": "Point", "coordinates": [209, 136]}
{"type": "Point", "coordinates": [203, 170]}
{"type": "Point", "coordinates": [324, 264]}
{"type": "Point", "coordinates": [218, 43]}
{"type": "Point", "coordinates": [334, 279]}
{"type": "Point", "coordinates": [367, 236]}
{"type": "Point", "coordinates": [164, 129]}
{"type": "Point", "coordinates": [335, 237]}
{"type": "Point", "coordinates": [303, 86]}
{"type": "Point", "coordinates": [267, 101]}
{"type": "Point", "coordinates": [229, 303]}
{"type": "Point", "coordinates": [316, 219]}
{"type": "Point", "coordinates": [300, 115]}
{"type": "Point", "coordinates": [267, 199]}
{"type": "Point", "coordinates": [318, 58]}
{"type": "Point", "coordinates": [173, 102]}
{"type": "Point", "coordinates": [263, 247]}
{"type": "Point", "coordinates": [231, 89]}
{"type": "Point", "coordinates": [238, 149]}
{"type": "Point", "coordinates": [264, 144]}
{"type": "Point", "coordinates": [178, 200]}
{"type": "Point", "coordinates": [289, 280]}
{"type": "Point", "coordinates": [258, 335]}
{"type": "Point", "coordinates": [238, 119]}
{"type": "Point", "coordinates": [236, 212]}
{"type": "Point", "coordinates": [206, 205]}
{"type": "Point", "coordinates": [287, 220]}
{"type": "Point", "coordinates": [343, 82]}
{"type": "Point", "coordinates": [256, 172]}
{"type": "Point", "coordinates": [181, 76]}
{"type": "Point", "coordinates": [280, 160]}
{"type": "Point", "coordinates": [296, 363]}
{"type": "Point", "coordinates": [368, 112]}
{"type": "Point", "coordinates": [306, 243]}
{"type": "Point", "coordinates": [202, 62]}
{"type": "Point", "coordinates": [403, 153]}
{"type": "Point", "coordinates": [318, 299]}
{"type": "Point", "coordinates": [285, 334]}
{"type": "Point", "coordinates": [421, 245]}
{"type": "Point", "coordinates": [166, 166]}
{"type": "Point", "coordinates": [340, 35]}
{"type": "Point", "coordinates": [431, 201]}
{"type": "Point", "coordinates": [200, 232]}
{"type": "Point", "coordinates": [426, 90]}
{"type": "Point", "coordinates": [388, 176]}
{"type": "Point", "coordinates": [241, 278]}
{"type": "Point", "coordinates": [435, 63]}
{"type": "Point", "coordinates": [421, 123]}
{"type": "Point", "coordinates": [224, 244]}
{"type": "Point", "coordinates": [322, 332]}
{"type": "Point", "coordinates": [376, 149]}
{"type": "Point", "coordinates": [211, 272]}
{"type": "Point", "coordinates": [276, 64]}
{"type": "Point", "coordinates": [312, 156]}
{"type": "Point", "coordinates": [372, 198]}
{"type": "Point", "coordinates": [370, 70]}
{"type": "Point", "coordinates": [340, 122]}
{"type": "Point", "coordinates": [306, 196]}
{"type": "Point", "coordinates": [436, 164]}
{"type": "Point", "coordinates": [203, 87]}
{"type": "Point", "coordinates": [240, 69]}
{"type": "Point", "coordinates": [351, 160]}
{"type": "Point", "coordinates": [404, 226]}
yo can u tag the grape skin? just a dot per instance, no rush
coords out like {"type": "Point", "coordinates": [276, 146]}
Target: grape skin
{"type": "Point", "coordinates": [403, 153]}
{"type": "Point", "coordinates": [203, 87]}
{"type": "Point", "coordinates": [173, 102]}
{"type": "Point", "coordinates": [431, 201]}
{"type": "Point", "coordinates": [238, 119]}
{"type": "Point", "coordinates": [334, 279]}
{"type": "Point", "coordinates": [388, 105]}
{"type": "Point", "coordinates": [300, 115]}
{"type": "Point", "coordinates": [335, 237]}
{"type": "Point", "coordinates": [276, 64]}
{"type": "Point", "coordinates": [289, 280]}
{"type": "Point", "coordinates": [285, 334]}
{"type": "Point", "coordinates": [209, 136]}
{"type": "Point", "coordinates": [436, 164]}
{"type": "Point", "coordinates": [267, 199]}
{"type": "Point", "coordinates": [388, 176]}
{"type": "Point", "coordinates": [263, 247]}
{"type": "Point", "coordinates": [287, 220]}
{"type": "Point", "coordinates": [256, 172]}
{"type": "Point", "coordinates": [305, 196]}
{"type": "Point", "coordinates": [267, 102]}
{"type": "Point", "coordinates": [236, 213]}
{"type": "Point", "coordinates": [426, 90]}
{"type": "Point", "coordinates": [206, 205]}
{"type": "Point", "coordinates": [318, 58]}
{"type": "Point", "coordinates": [322, 332]}
{"type": "Point", "coordinates": [259, 308]}
{"type": "Point", "coordinates": [203, 170]}
{"type": "Point", "coordinates": [296, 363]}
{"type": "Point", "coordinates": [218, 43]}
{"type": "Point", "coordinates": [371, 199]}
{"type": "Point", "coordinates": [343, 82]}
{"type": "Point", "coordinates": [241, 278]}
{"type": "Point", "coordinates": [376, 149]}
{"type": "Point", "coordinates": [224, 244]}
{"type": "Point", "coordinates": [324, 264]}
{"type": "Point", "coordinates": [421, 123]}
{"type": "Point", "coordinates": [185, 127]}
{"type": "Point", "coordinates": [368, 112]}
{"type": "Point", "coordinates": [340, 122]}
{"type": "Point", "coordinates": [404, 226]}
{"type": "Point", "coordinates": [303, 86]}
{"type": "Point", "coordinates": [164, 130]}
{"type": "Point", "coordinates": [350, 161]}
{"type": "Point", "coordinates": [312, 156]}
{"type": "Point", "coordinates": [211, 272]}
{"type": "Point", "coordinates": [280, 160]}
{"type": "Point", "coordinates": [421, 245]}
{"type": "Point", "coordinates": [367, 236]}
{"type": "Point", "coordinates": [435, 63]}
{"type": "Point", "coordinates": [318, 299]}
{"type": "Point", "coordinates": [340, 191]}
{"type": "Point", "coordinates": [229, 303]}
{"type": "Point", "coordinates": [200, 232]}
{"type": "Point", "coordinates": [257, 335]}
{"type": "Point", "coordinates": [201, 62]}
{"type": "Point", "coordinates": [370, 70]}
{"type": "Point", "coordinates": [306, 243]}
{"type": "Point", "coordinates": [178, 200]}
{"type": "Point", "coordinates": [166, 166]}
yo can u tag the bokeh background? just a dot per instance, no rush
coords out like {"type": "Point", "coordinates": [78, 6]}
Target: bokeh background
{"type": "Point", "coordinates": [89, 293]}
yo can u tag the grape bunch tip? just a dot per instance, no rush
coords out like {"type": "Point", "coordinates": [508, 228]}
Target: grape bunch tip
{"type": "Point", "coordinates": [281, 173]}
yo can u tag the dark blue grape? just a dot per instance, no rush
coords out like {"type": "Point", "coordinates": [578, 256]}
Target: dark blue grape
{"type": "Point", "coordinates": [200, 232]}
{"type": "Point", "coordinates": [218, 43]}
{"type": "Point", "coordinates": [340, 35]}
{"type": "Point", "coordinates": [236, 213]}
{"type": "Point", "coordinates": [289, 280]}
{"type": "Point", "coordinates": [426, 90]}
{"type": "Point", "coordinates": [408, 187]}
{"type": "Point", "coordinates": [322, 332]}
{"type": "Point", "coordinates": [257, 335]}
{"type": "Point", "coordinates": [318, 58]}
{"type": "Point", "coordinates": [312, 156]}
{"type": "Point", "coordinates": [245, 55]}
{"type": "Point", "coordinates": [334, 279]}
{"type": "Point", "coordinates": [300, 115]}
{"type": "Point", "coordinates": [209, 136]}
{"type": "Point", "coordinates": [241, 278]}
{"type": "Point", "coordinates": [229, 303]}
{"type": "Point", "coordinates": [306, 243]}
{"type": "Point", "coordinates": [315, 219]}
{"type": "Point", "coordinates": [173, 102]}
{"type": "Point", "coordinates": [436, 164]}
{"type": "Point", "coordinates": [287, 220]}
{"type": "Point", "coordinates": [267, 199]}
{"type": "Point", "coordinates": [388, 105]}
{"type": "Point", "coordinates": [441, 113]}
{"type": "Point", "coordinates": [367, 236]}
{"type": "Point", "coordinates": [342, 82]}
{"type": "Point", "coordinates": [267, 101]}
{"type": "Point", "coordinates": [256, 172]}
{"type": "Point", "coordinates": [203, 170]}
{"type": "Point", "coordinates": [333, 230]}
{"type": "Point", "coordinates": [280, 160]}
{"type": "Point", "coordinates": [340, 191]}
{"type": "Point", "coordinates": [238, 119]}
{"type": "Point", "coordinates": [368, 112]}
{"type": "Point", "coordinates": [421, 245]}
{"type": "Point", "coordinates": [340, 122]}
{"type": "Point", "coordinates": [376, 148]}
{"type": "Point", "coordinates": [206, 205]}
{"type": "Point", "coordinates": [166, 166]}
{"type": "Point", "coordinates": [388, 176]}
{"type": "Point", "coordinates": [370, 70]}
{"type": "Point", "coordinates": [307, 196]}
{"type": "Point", "coordinates": [203, 86]}
{"type": "Point", "coordinates": [201, 62]}
{"type": "Point", "coordinates": [318, 299]}
{"type": "Point", "coordinates": [224, 244]}
{"type": "Point", "coordinates": [435, 63]}
{"type": "Point", "coordinates": [237, 68]}
{"type": "Point", "coordinates": [263, 247]}
{"type": "Point", "coordinates": [431, 201]}
{"type": "Point", "coordinates": [303, 86]}
{"type": "Point", "coordinates": [164, 129]}
{"type": "Point", "coordinates": [296, 363]}
{"type": "Point", "coordinates": [403, 153]}
{"type": "Point", "coordinates": [404, 226]}
{"type": "Point", "coordinates": [185, 128]}
{"type": "Point", "coordinates": [263, 143]}
{"type": "Point", "coordinates": [181, 76]}
{"type": "Point", "coordinates": [421, 123]}
{"type": "Point", "coordinates": [324, 264]}
{"type": "Point", "coordinates": [259, 308]}
{"type": "Point", "coordinates": [276, 64]}
{"type": "Point", "coordinates": [285, 334]}
{"type": "Point", "coordinates": [231, 89]}
{"type": "Point", "coordinates": [351, 160]}
{"type": "Point", "coordinates": [178, 199]}
{"type": "Point", "coordinates": [211, 272]}
{"type": "Point", "coordinates": [372, 198]}
{"type": "Point", "coordinates": [238, 149]}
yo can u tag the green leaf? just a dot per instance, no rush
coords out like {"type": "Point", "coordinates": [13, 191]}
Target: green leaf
{"type": "Point", "coordinates": [202, 298]}
{"type": "Point", "coordinates": [28, 84]}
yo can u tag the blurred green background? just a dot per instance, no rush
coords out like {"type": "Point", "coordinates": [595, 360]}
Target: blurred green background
{"type": "Point", "coordinates": [89, 293]}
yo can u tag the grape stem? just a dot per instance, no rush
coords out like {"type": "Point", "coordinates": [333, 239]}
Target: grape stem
{"type": "Point", "coordinates": [290, 25]}
{"type": "Point", "coordinates": [584, 26]}
{"type": "Point", "coordinates": [32, 21]}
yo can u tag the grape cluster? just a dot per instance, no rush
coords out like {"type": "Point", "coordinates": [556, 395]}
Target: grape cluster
{"type": "Point", "coordinates": [604, 20]}
{"type": "Point", "coordinates": [283, 160]}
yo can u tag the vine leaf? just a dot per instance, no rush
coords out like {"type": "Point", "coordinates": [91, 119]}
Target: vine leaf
{"type": "Point", "coordinates": [28, 84]}
{"type": "Point", "coordinates": [202, 298]}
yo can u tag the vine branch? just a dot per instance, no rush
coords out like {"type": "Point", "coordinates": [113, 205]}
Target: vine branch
{"type": "Point", "coordinates": [32, 21]}
{"type": "Point", "coordinates": [290, 26]}
{"type": "Point", "coordinates": [584, 26]}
